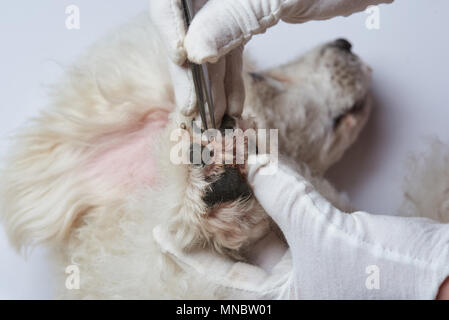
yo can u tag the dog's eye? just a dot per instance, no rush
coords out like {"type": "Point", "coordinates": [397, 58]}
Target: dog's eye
{"type": "Point", "coordinates": [358, 106]}
{"type": "Point", "coordinates": [257, 77]}
{"type": "Point", "coordinates": [337, 120]}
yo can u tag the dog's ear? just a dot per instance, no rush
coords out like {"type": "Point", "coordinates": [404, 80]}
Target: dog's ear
{"type": "Point", "coordinates": [268, 84]}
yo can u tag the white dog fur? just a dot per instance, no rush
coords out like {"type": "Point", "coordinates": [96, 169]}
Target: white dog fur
{"type": "Point", "coordinates": [91, 177]}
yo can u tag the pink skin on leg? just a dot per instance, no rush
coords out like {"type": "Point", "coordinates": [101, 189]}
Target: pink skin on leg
{"type": "Point", "coordinates": [128, 162]}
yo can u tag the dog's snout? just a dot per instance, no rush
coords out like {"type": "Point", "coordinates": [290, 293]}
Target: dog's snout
{"type": "Point", "coordinates": [343, 44]}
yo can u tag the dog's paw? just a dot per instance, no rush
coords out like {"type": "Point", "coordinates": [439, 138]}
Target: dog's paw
{"type": "Point", "coordinates": [227, 216]}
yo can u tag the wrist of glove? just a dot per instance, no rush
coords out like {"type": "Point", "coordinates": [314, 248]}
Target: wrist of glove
{"type": "Point", "coordinates": [350, 256]}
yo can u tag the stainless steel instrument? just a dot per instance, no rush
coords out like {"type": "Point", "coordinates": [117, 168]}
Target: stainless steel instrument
{"type": "Point", "coordinates": [200, 78]}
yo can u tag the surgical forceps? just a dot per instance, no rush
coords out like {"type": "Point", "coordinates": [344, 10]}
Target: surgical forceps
{"type": "Point", "coordinates": [201, 79]}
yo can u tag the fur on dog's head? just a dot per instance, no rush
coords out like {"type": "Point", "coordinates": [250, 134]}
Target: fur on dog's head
{"type": "Point", "coordinates": [320, 102]}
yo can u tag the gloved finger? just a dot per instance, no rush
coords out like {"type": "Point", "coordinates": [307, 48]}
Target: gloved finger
{"type": "Point", "coordinates": [217, 78]}
{"type": "Point", "coordinates": [168, 17]}
{"type": "Point", "coordinates": [234, 87]}
{"type": "Point", "coordinates": [305, 10]}
{"type": "Point", "coordinates": [221, 26]}
{"type": "Point", "coordinates": [185, 94]}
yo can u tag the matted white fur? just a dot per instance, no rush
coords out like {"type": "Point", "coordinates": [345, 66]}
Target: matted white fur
{"type": "Point", "coordinates": [426, 188]}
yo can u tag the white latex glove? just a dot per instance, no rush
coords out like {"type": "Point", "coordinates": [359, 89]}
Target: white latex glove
{"type": "Point", "coordinates": [334, 253]}
{"type": "Point", "coordinates": [222, 27]}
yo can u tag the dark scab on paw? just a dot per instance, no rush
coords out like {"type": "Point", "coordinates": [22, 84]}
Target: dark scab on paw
{"type": "Point", "coordinates": [228, 123]}
{"type": "Point", "coordinates": [231, 186]}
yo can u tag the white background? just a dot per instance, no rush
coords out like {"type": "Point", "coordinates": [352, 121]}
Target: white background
{"type": "Point", "coordinates": [409, 55]}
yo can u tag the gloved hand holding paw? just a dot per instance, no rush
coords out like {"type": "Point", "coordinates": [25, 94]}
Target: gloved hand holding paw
{"type": "Point", "coordinates": [337, 255]}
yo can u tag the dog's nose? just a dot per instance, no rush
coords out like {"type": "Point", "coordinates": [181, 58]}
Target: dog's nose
{"type": "Point", "coordinates": [343, 44]}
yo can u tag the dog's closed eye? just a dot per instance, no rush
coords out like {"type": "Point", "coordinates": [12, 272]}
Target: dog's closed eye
{"type": "Point", "coordinates": [356, 108]}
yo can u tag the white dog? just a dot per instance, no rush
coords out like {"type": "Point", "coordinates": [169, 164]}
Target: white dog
{"type": "Point", "coordinates": [92, 178]}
